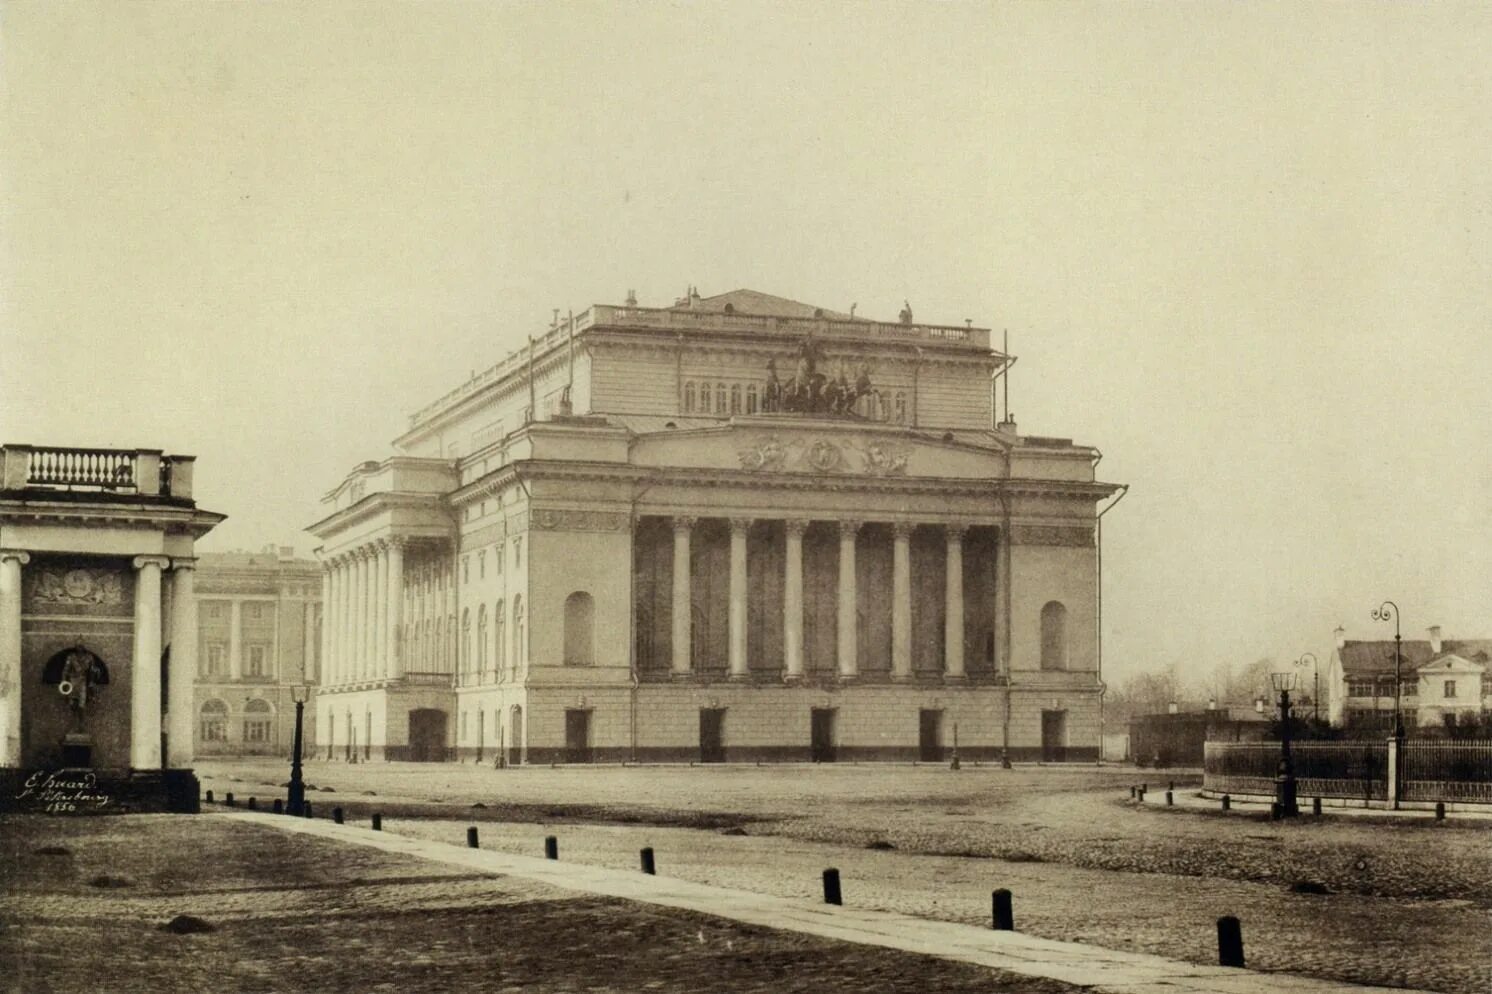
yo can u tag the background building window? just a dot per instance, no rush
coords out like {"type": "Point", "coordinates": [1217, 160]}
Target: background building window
{"type": "Point", "coordinates": [258, 722]}
{"type": "Point", "coordinates": [212, 662]}
{"type": "Point", "coordinates": [213, 725]}
{"type": "Point", "coordinates": [1450, 688]}
{"type": "Point", "coordinates": [735, 398]}
{"type": "Point", "coordinates": [258, 664]}
{"type": "Point", "coordinates": [482, 639]}
{"type": "Point", "coordinates": [255, 610]}
{"type": "Point", "coordinates": [500, 628]}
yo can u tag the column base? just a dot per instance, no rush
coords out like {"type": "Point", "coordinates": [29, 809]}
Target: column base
{"type": "Point", "coordinates": [956, 678]}
{"type": "Point", "coordinates": [739, 677]}
{"type": "Point", "coordinates": [902, 678]}
{"type": "Point", "coordinates": [792, 678]}
{"type": "Point", "coordinates": [681, 677]}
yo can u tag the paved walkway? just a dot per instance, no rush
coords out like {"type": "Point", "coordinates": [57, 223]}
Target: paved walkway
{"type": "Point", "coordinates": [1102, 970]}
{"type": "Point", "coordinates": [1191, 798]}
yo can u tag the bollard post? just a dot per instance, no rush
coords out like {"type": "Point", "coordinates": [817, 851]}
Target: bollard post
{"type": "Point", "coordinates": [1171, 785]}
{"type": "Point", "coordinates": [377, 822]}
{"type": "Point", "coordinates": [337, 815]}
{"type": "Point", "coordinates": [1229, 942]}
{"type": "Point", "coordinates": [228, 798]}
{"type": "Point", "coordinates": [832, 894]}
{"type": "Point", "coordinates": [1004, 916]}
{"type": "Point", "coordinates": [253, 804]}
{"type": "Point", "coordinates": [278, 807]}
{"type": "Point", "coordinates": [1143, 788]}
{"type": "Point", "coordinates": [1316, 806]}
{"type": "Point", "coordinates": [1131, 792]}
{"type": "Point", "coordinates": [1170, 799]}
{"type": "Point", "coordinates": [648, 866]}
{"type": "Point", "coordinates": [1227, 803]}
{"type": "Point", "coordinates": [1440, 811]}
{"type": "Point", "coordinates": [551, 847]}
{"type": "Point", "coordinates": [209, 797]}
{"type": "Point", "coordinates": [471, 837]}
{"type": "Point", "coordinates": [1142, 793]}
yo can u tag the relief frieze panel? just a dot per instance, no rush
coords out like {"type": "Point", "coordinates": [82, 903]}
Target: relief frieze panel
{"type": "Point", "coordinates": [1069, 536]}
{"type": "Point", "coordinates": [772, 454]}
{"type": "Point", "coordinates": [86, 589]}
{"type": "Point", "coordinates": [564, 520]}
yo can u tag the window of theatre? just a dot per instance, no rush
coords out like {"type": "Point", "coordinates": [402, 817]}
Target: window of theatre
{"type": "Point", "coordinates": [499, 624]}
{"type": "Point", "coordinates": [751, 399]}
{"type": "Point", "coordinates": [466, 653]}
{"type": "Point", "coordinates": [1054, 636]}
{"type": "Point", "coordinates": [735, 398]}
{"type": "Point", "coordinates": [517, 631]}
{"type": "Point", "coordinates": [482, 638]}
{"type": "Point", "coordinates": [688, 398]}
{"type": "Point", "coordinates": [580, 642]}
{"type": "Point", "coordinates": [258, 664]}
{"type": "Point", "coordinates": [212, 663]}
{"type": "Point", "coordinates": [258, 722]}
{"type": "Point", "coordinates": [213, 726]}
{"type": "Point", "coordinates": [720, 398]}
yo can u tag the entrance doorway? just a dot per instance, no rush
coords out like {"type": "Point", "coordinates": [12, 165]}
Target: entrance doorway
{"type": "Point", "coordinates": [1053, 736]}
{"type": "Point", "coordinates": [427, 735]}
{"type": "Point", "coordinates": [712, 735]}
{"type": "Point", "coordinates": [821, 736]}
{"type": "Point", "coordinates": [930, 736]}
{"type": "Point", "coordinates": [515, 737]}
{"type": "Point", "coordinates": [577, 736]}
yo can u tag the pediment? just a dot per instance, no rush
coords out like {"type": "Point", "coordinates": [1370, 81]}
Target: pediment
{"type": "Point", "coordinates": [1451, 664]}
{"type": "Point", "coordinates": [823, 448]}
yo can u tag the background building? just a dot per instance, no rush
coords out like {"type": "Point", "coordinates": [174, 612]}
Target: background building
{"type": "Point", "coordinates": [736, 528]}
{"type": "Point", "coordinates": [259, 625]}
{"type": "Point", "coordinates": [1444, 682]}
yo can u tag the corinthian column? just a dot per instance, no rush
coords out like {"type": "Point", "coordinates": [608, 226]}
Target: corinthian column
{"type": "Point", "coordinates": [396, 608]}
{"type": "Point", "coordinates": [380, 634]}
{"type": "Point", "coordinates": [739, 527]}
{"type": "Point", "coordinates": [901, 600]}
{"type": "Point", "coordinates": [362, 667]}
{"type": "Point", "coordinates": [182, 674]}
{"type": "Point", "coordinates": [792, 598]}
{"type": "Point", "coordinates": [145, 666]}
{"type": "Point", "coordinates": [953, 604]}
{"type": "Point", "coordinates": [683, 615]}
{"type": "Point", "coordinates": [849, 663]}
{"type": "Point", "coordinates": [11, 562]}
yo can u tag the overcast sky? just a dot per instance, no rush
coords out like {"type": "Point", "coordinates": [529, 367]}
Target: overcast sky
{"type": "Point", "coordinates": [1242, 249]}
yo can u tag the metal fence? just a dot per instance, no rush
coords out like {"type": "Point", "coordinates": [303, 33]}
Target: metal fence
{"type": "Point", "coordinates": [1355, 770]}
{"type": "Point", "coordinates": [1435, 770]}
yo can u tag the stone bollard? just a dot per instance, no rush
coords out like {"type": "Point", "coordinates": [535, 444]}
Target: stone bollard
{"type": "Point", "coordinates": [1316, 806]}
{"type": "Point", "coordinates": [551, 847]}
{"type": "Point", "coordinates": [278, 807]}
{"type": "Point", "coordinates": [337, 815]}
{"type": "Point", "coordinates": [1170, 799]}
{"type": "Point", "coordinates": [1002, 912]}
{"type": "Point", "coordinates": [832, 894]}
{"type": "Point", "coordinates": [1131, 792]}
{"type": "Point", "coordinates": [253, 804]}
{"type": "Point", "coordinates": [1171, 785]}
{"type": "Point", "coordinates": [1142, 793]}
{"type": "Point", "coordinates": [1229, 942]}
{"type": "Point", "coordinates": [1440, 811]}
{"type": "Point", "coordinates": [1143, 788]}
{"type": "Point", "coordinates": [228, 798]}
{"type": "Point", "coordinates": [377, 822]}
{"type": "Point", "coordinates": [471, 838]}
{"type": "Point", "coordinates": [209, 797]}
{"type": "Point", "coordinates": [1227, 803]}
{"type": "Point", "coordinates": [648, 866]}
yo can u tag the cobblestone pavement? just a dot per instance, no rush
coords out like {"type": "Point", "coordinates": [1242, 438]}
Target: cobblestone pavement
{"type": "Point", "coordinates": [84, 901]}
{"type": "Point", "coordinates": [1405, 904]}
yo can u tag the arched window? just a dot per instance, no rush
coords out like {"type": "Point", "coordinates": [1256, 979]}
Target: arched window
{"type": "Point", "coordinates": [258, 722]}
{"type": "Point", "coordinates": [501, 647]}
{"type": "Point", "coordinates": [482, 639]}
{"type": "Point", "coordinates": [518, 645]}
{"type": "Point", "coordinates": [735, 398]}
{"type": "Point", "coordinates": [688, 397]}
{"type": "Point", "coordinates": [467, 656]}
{"type": "Point", "coordinates": [1054, 636]}
{"type": "Point", "coordinates": [721, 400]}
{"type": "Point", "coordinates": [214, 721]}
{"type": "Point", "coordinates": [580, 641]}
{"type": "Point", "coordinates": [900, 405]}
{"type": "Point", "coordinates": [751, 399]}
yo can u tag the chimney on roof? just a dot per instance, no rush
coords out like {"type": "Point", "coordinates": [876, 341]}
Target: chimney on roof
{"type": "Point", "coordinates": [693, 297]}
{"type": "Point", "coordinates": [1435, 639]}
{"type": "Point", "coordinates": [631, 298]}
{"type": "Point", "coordinates": [1341, 634]}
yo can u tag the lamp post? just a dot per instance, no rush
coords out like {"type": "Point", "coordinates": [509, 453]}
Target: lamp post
{"type": "Point", "coordinates": [1315, 683]}
{"type": "Point", "coordinates": [296, 805]}
{"type": "Point", "coordinates": [1382, 613]}
{"type": "Point", "coordinates": [1284, 782]}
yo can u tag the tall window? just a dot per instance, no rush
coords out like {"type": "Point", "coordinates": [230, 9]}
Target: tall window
{"type": "Point", "coordinates": [720, 399]}
{"type": "Point", "coordinates": [258, 664]}
{"type": "Point", "coordinates": [258, 722]}
{"type": "Point", "coordinates": [466, 653]}
{"type": "Point", "coordinates": [580, 642]}
{"type": "Point", "coordinates": [255, 610]}
{"type": "Point", "coordinates": [688, 397]}
{"type": "Point", "coordinates": [900, 407]}
{"type": "Point", "coordinates": [518, 645]}
{"type": "Point", "coordinates": [751, 399]}
{"type": "Point", "coordinates": [482, 565]}
{"type": "Point", "coordinates": [1054, 636]}
{"type": "Point", "coordinates": [1450, 688]}
{"type": "Point", "coordinates": [518, 553]}
{"type": "Point", "coordinates": [213, 724]}
{"type": "Point", "coordinates": [497, 558]}
{"type": "Point", "coordinates": [482, 639]}
{"type": "Point", "coordinates": [212, 664]}
{"type": "Point", "coordinates": [500, 629]}
{"type": "Point", "coordinates": [735, 398]}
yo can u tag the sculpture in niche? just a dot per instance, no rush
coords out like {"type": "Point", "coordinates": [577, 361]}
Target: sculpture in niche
{"type": "Point", "coordinates": [74, 672]}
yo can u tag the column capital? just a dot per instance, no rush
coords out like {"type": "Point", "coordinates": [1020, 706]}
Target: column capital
{"type": "Point", "coordinates": [741, 525]}
{"type": "Point", "coordinates": [19, 556]}
{"type": "Point", "coordinates": [849, 528]}
{"type": "Point", "coordinates": [684, 523]}
{"type": "Point", "coordinates": [183, 562]}
{"type": "Point", "coordinates": [903, 529]}
{"type": "Point", "coordinates": [158, 561]}
{"type": "Point", "coordinates": [795, 526]}
{"type": "Point", "coordinates": [954, 530]}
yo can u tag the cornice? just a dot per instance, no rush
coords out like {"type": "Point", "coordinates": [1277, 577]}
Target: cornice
{"type": "Point", "coordinates": [373, 504]}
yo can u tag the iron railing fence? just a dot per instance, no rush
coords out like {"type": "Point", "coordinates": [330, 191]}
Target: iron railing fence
{"type": "Point", "coordinates": [1435, 770]}
{"type": "Point", "coordinates": [1354, 770]}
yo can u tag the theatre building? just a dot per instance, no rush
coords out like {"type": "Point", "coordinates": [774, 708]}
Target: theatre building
{"type": "Point", "coordinates": [736, 528]}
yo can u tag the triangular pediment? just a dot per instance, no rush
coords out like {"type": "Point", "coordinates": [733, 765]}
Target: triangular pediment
{"type": "Point", "coordinates": [1451, 663]}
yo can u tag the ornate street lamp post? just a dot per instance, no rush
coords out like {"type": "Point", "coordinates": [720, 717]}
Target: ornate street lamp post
{"type": "Point", "coordinates": [1285, 805]}
{"type": "Point", "coordinates": [1382, 613]}
{"type": "Point", "coordinates": [1315, 683]}
{"type": "Point", "coordinates": [296, 805]}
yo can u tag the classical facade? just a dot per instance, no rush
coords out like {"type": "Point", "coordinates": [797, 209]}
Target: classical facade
{"type": "Point", "coordinates": [98, 627]}
{"type": "Point", "coordinates": [1442, 682]}
{"type": "Point", "coordinates": [259, 619]}
{"type": "Point", "coordinates": [736, 528]}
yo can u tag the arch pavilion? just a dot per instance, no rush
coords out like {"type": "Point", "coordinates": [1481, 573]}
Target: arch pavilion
{"type": "Point", "coordinates": [738, 528]}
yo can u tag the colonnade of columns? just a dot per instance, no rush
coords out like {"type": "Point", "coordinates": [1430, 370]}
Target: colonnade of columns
{"type": "Point", "coordinates": [847, 645]}
{"type": "Point", "coordinates": [363, 602]}
{"type": "Point", "coordinates": [145, 667]}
